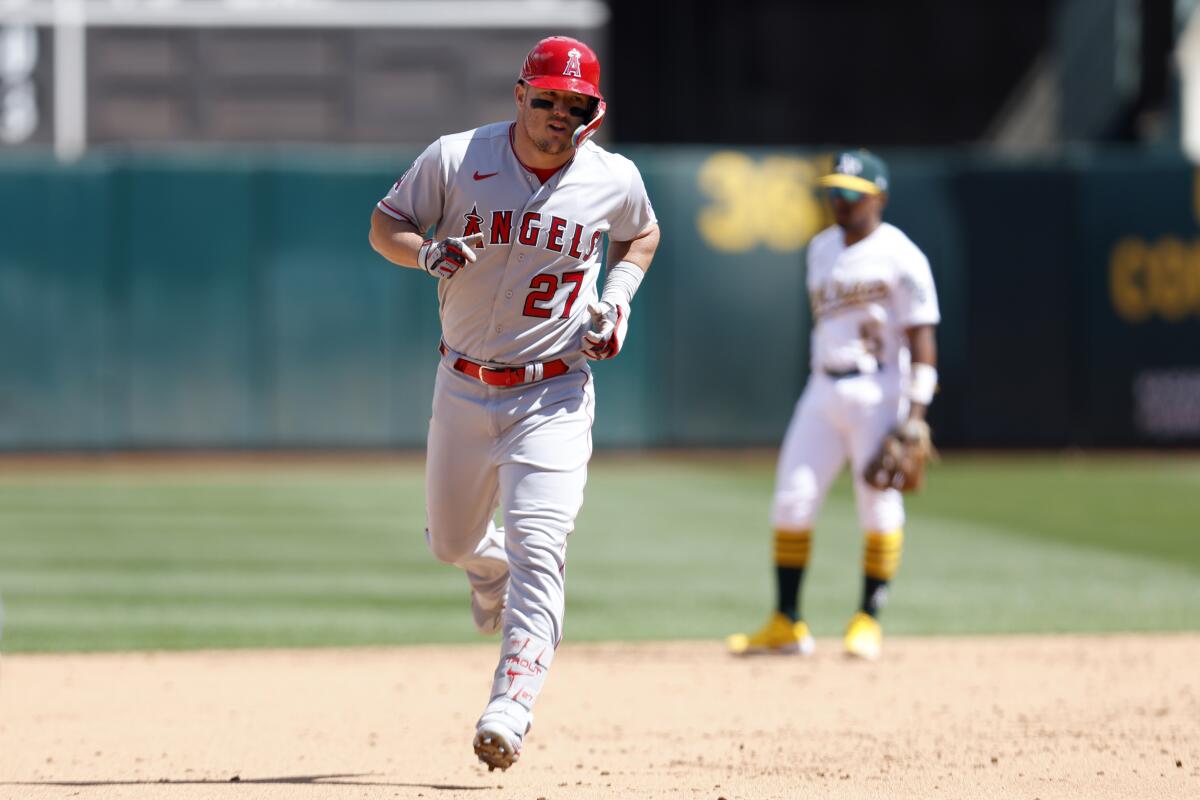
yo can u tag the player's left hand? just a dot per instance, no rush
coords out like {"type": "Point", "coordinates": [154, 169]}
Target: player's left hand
{"type": "Point", "coordinates": [915, 433]}
{"type": "Point", "coordinates": [610, 323]}
{"type": "Point", "coordinates": [445, 258]}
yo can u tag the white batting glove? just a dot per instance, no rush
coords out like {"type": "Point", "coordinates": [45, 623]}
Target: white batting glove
{"type": "Point", "coordinates": [445, 258]}
{"type": "Point", "coordinates": [610, 324]}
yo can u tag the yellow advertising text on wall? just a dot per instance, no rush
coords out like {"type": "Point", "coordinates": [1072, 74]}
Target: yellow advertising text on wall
{"type": "Point", "coordinates": [768, 203]}
{"type": "Point", "coordinates": [1155, 279]}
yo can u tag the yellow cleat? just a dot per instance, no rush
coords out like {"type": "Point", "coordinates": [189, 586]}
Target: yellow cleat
{"type": "Point", "coordinates": [780, 636]}
{"type": "Point", "coordinates": [864, 637]}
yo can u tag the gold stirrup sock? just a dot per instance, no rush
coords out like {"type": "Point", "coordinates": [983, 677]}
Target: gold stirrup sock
{"type": "Point", "coordinates": [791, 557]}
{"type": "Point", "coordinates": [792, 548]}
{"type": "Point", "coordinates": [881, 553]}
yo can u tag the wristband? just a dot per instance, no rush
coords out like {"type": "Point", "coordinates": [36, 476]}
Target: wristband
{"type": "Point", "coordinates": [922, 383]}
{"type": "Point", "coordinates": [621, 282]}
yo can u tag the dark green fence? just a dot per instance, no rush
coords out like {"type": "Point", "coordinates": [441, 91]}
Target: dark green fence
{"type": "Point", "coordinates": [231, 300]}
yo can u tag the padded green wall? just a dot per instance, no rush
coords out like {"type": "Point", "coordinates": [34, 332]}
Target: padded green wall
{"type": "Point", "coordinates": [231, 300]}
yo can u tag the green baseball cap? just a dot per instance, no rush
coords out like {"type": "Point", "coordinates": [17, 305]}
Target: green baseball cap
{"type": "Point", "coordinates": [859, 170]}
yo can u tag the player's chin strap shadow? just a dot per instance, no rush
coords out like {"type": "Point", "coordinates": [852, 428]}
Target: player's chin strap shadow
{"type": "Point", "coordinates": [584, 131]}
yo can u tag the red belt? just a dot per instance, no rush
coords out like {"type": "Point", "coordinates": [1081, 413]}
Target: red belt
{"type": "Point", "coordinates": [509, 376]}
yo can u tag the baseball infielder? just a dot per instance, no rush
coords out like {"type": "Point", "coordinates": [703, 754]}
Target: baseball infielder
{"type": "Point", "coordinates": [873, 369]}
{"type": "Point", "coordinates": [518, 210]}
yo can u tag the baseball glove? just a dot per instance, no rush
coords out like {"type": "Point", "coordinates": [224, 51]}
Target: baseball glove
{"type": "Point", "coordinates": [900, 462]}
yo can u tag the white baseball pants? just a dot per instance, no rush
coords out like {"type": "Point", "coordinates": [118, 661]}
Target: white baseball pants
{"type": "Point", "coordinates": [836, 420]}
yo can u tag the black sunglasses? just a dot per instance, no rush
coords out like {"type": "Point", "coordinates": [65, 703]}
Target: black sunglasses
{"type": "Point", "coordinates": [849, 195]}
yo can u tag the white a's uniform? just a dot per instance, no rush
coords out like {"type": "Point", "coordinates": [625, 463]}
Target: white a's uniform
{"type": "Point", "coordinates": [515, 434]}
{"type": "Point", "coordinates": [863, 298]}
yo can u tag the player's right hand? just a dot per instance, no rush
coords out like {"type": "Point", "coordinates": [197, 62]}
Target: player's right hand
{"type": "Point", "coordinates": [445, 258]}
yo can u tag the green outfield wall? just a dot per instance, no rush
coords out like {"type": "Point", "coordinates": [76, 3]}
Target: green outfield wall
{"type": "Point", "coordinates": [230, 300]}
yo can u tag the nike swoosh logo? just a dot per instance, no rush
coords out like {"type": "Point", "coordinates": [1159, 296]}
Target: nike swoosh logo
{"type": "Point", "coordinates": [479, 177]}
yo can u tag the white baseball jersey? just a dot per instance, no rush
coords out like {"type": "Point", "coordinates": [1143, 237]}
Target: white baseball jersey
{"type": "Point", "coordinates": [864, 296]}
{"type": "Point", "coordinates": [526, 297]}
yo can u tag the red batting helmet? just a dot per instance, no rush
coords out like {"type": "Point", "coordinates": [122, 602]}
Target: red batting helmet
{"type": "Point", "coordinates": [563, 64]}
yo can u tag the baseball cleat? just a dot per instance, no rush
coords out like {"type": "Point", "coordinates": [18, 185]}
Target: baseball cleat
{"type": "Point", "coordinates": [487, 618]}
{"type": "Point", "coordinates": [494, 744]}
{"type": "Point", "coordinates": [864, 637]}
{"type": "Point", "coordinates": [780, 636]}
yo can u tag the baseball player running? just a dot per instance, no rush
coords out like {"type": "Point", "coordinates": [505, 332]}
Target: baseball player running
{"type": "Point", "coordinates": [518, 210]}
{"type": "Point", "coordinates": [873, 371]}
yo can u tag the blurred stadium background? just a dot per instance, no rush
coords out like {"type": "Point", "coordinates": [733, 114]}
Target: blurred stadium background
{"type": "Point", "coordinates": [185, 189]}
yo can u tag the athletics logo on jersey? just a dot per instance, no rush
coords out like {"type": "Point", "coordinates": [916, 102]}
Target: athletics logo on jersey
{"type": "Point", "coordinates": [834, 296]}
{"type": "Point", "coordinates": [474, 223]}
{"type": "Point", "coordinates": [572, 67]}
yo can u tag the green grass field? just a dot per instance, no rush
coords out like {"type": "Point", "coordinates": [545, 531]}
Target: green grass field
{"type": "Point", "coordinates": [139, 556]}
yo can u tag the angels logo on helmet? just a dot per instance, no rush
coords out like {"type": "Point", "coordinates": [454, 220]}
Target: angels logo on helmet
{"type": "Point", "coordinates": [572, 67]}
